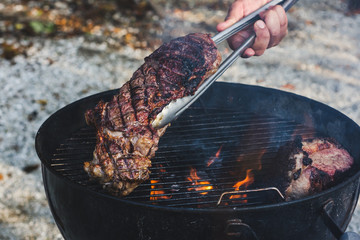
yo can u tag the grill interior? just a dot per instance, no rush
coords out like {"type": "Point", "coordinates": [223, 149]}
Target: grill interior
{"type": "Point", "coordinates": [221, 146]}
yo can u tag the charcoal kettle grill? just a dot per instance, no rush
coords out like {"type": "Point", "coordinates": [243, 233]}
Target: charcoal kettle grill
{"type": "Point", "coordinates": [169, 205]}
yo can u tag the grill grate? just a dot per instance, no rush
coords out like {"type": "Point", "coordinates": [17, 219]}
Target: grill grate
{"type": "Point", "coordinates": [203, 155]}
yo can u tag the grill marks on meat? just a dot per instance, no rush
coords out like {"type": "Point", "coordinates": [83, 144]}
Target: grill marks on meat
{"type": "Point", "coordinates": [126, 141]}
{"type": "Point", "coordinates": [311, 166]}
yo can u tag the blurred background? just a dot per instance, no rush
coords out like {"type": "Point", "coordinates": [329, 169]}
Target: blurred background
{"type": "Point", "coordinates": [55, 52]}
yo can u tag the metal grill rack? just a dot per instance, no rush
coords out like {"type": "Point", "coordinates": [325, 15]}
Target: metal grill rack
{"type": "Point", "coordinates": [243, 141]}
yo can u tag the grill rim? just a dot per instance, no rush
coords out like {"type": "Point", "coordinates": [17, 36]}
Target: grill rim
{"type": "Point", "coordinates": [211, 210]}
{"type": "Point", "coordinates": [45, 162]}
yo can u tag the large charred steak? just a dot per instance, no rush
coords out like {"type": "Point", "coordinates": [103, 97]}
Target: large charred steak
{"type": "Point", "coordinates": [126, 140]}
{"type": "Point", "coordinates": [309, 166]}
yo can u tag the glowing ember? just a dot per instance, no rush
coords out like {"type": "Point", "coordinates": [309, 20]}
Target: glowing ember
{"type": "Point", "coordinates": [239, 196]}
{"type": "Point", "coordinates": [155, 193]}
{"type": "Point", "coordinates": [162, 169]}
{"type": "Point", "coordinates": [200, 185]}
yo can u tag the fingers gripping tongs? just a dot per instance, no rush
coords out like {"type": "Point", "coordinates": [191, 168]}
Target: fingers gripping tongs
{"type": "Point", "coordinates": [176, 107]}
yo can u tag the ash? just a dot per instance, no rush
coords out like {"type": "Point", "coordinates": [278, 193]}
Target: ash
{"type": "Point", "coordinates": [319, 59]}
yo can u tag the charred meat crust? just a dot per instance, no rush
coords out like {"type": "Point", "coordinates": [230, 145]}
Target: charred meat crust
{"type": "Point", "coordinates": [126, 141]}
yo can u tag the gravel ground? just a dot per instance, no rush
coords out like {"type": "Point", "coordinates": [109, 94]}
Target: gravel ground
{"type": "Point", "coordinates": [320, 59]}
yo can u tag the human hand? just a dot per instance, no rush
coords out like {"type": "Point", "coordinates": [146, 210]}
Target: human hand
{"type": "Point", "coordinates": [270, 30]}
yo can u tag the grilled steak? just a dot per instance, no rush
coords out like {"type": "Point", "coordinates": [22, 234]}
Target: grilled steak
{"type": "Point", "coordinates": [126, 140]}
{"type": "Point", "coordinates": [310, 166]}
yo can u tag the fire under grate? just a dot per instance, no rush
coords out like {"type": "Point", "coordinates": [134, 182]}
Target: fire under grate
{"type": "Point", "coordinates": [210, 158]}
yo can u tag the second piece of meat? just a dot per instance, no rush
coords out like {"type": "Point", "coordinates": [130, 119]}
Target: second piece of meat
{"type": "Point", "coordinates": [310, 166]}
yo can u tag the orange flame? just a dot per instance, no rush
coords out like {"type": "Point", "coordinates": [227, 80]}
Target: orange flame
{"type": "Point", "coordinates": [154, 193]}
{"type": "Point", "coordinates": [200, 185]}
{"type": "Point", "coordinates": [213, 159]}
{"type": "Point", "coordinates": [249, 179]}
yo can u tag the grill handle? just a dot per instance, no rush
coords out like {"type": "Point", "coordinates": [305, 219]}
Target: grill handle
{"type": "Point", "coordinates": [334, 228]}
{"type": "Point", "coordinates": [237, 230]}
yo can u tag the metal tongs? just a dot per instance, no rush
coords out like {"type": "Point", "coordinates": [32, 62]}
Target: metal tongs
{"type": "Point", "coordinates": [176, 107]}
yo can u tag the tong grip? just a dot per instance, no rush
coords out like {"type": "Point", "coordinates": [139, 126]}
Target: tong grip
{"type": "Point", "coordinates": [176, 107]}
{"type": "Point", "coordinates": [243, 23]}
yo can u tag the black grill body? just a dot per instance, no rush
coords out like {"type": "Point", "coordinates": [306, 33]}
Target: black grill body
{"type": "Point", "coordinates": [83, 210]}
